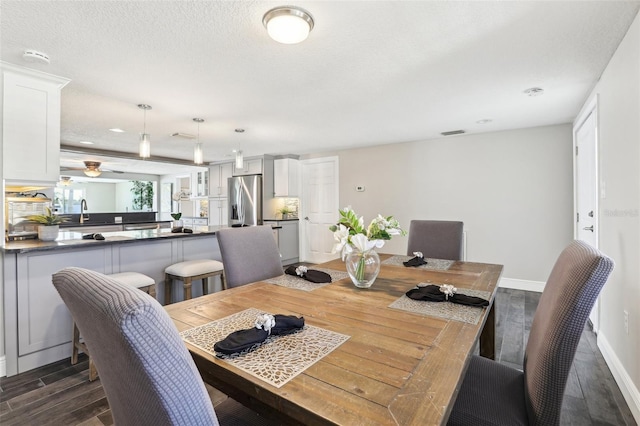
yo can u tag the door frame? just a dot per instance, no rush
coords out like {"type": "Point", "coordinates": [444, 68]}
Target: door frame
{"type": "Point", "coordinates": [591, 107]}
{"type": "Point", "coordinates": [304, 237]}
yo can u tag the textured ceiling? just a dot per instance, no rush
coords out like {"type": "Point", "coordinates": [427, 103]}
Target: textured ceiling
{"type": "Point", "coordinates": [371, 72]}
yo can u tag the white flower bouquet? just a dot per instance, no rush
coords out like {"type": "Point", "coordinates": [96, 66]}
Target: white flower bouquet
{"type": "Point", "coordinates": [351, 235]}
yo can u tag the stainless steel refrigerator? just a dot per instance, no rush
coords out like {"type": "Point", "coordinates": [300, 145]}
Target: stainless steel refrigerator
{"type": "Point", "coordinates": [245, 200]}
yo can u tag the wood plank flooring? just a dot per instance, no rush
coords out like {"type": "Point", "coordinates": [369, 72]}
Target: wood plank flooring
{"type": "Point", "coordinates": [61, 394]}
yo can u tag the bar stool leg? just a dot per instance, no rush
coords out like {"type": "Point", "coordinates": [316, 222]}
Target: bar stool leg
{"type": "Point", "coordinates": [205, 286]}
{"type": "Point", "coordinates": [187, 288]}
{"type": "Point", "coordinates": [93, 372]}
{"type": "Point", "coordinates": [167, 289]}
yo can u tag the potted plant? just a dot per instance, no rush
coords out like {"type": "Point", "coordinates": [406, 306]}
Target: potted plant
{"type": "Point", "coordinates": [285, 211]}
{"type": "Point", "coordinates": [49, 224]}
{"type": "Point", "coordinates": [176, 219]}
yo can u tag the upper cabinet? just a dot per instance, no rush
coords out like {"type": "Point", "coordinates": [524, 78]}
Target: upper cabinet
{"type": "Point", "coordinates": [286, 177]}
{"type": "Point", "coordinates": [31, 125]}
{"type": "Point", "coordinates": [200, 184]}
{"type": "Point", "coordinates": [251, 167]}
{"type": "Point", "coordinates": [218, 183]}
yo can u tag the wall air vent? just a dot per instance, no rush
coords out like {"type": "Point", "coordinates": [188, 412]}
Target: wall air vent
{"type": "Point", "coordinates": [452, 132]}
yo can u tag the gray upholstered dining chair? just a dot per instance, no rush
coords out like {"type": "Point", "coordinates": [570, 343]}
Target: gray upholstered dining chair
{"type": "Point", "coordinates": [438, 239]}
{"type": "Point", "coordinates": [494, 394]}
{"type": "Point", "coordinates": [146, 370]}
{"type": "Point", "coordinates": [249, 254]}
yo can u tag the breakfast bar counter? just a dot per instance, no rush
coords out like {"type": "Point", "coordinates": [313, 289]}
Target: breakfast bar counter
{"type": "Point", "coordinates": [74, 240]}
{"type": "Point", "coordinates": [38, 324]}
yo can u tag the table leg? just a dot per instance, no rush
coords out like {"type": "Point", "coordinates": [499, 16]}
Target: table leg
{"type": "Point", "coordinates": [488, 335]}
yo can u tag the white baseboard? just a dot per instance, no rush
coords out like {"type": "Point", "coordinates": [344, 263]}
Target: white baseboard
{"type": "Point", "coordinates": [3, 366]}
{"type": "Point", "coordinates": [620, 375]}
{"type": "Point", "coordinates": [517, 284]}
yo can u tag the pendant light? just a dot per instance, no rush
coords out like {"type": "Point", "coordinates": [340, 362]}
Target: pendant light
{"type": "Point", "coordinates": [239, 157]}
{"type": "Point", "coordinates": [198, 155]}
{"type": "Point", "coordinates": [145, 138]}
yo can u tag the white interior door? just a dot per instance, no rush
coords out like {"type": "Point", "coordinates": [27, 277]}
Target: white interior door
{"type": "Point", "coordinates": [585, 133]}
{"type": "Point", "coordinates": [319, 208]}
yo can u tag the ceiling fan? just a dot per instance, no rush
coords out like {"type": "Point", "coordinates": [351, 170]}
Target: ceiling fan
{"type": "Point", "coordinates": [91, 169]}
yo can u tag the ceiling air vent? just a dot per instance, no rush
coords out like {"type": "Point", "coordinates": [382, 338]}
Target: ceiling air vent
{"type": "Point", "coordinates": [183, 135]}
{"type": "Point", "coordinates": [452, 132]}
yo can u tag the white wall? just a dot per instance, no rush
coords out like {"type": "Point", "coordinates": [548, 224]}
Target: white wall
{"type": "Point", "coordinates": [2, 351]}
{"type": "Point", "coordinates": [619, 135]}
{"type": "Point", "coordinates": [512, 189]}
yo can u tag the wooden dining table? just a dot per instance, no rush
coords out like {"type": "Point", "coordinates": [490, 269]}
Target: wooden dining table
{"type": "Point", "coordinates": [396, 367]}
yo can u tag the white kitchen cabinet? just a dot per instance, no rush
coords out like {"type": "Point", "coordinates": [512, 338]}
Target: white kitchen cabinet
{"type": "Point", "coordinates": [200, 184]}
{"type": "Point", "coordinates": [286, 177]}
{"type": "Point", "coordinates": [31, 125]}
{"type": "Point", "coordinates": [287, 236]}
{"type": "Point", "coordinates": [251, 167]}
{"type": "Point", "coordinates": [218, 183]}
{"type": "Point", "coordinates": [218, 211]}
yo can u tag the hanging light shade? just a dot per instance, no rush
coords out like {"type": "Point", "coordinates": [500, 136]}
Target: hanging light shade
{"type": "Point", "coordinates": [145, 138]}
{"type": "Point", "coordinates": [65, 180]}
{"type": "Point", "coordinates": [288, 24]}
{"type": "Point", "coordinates": [198, 155]}
{"type": "Point", "coordinates": [239, 159]}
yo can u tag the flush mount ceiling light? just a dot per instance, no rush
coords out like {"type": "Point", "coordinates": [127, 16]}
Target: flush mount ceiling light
{"type": "Point", "coordinates": [65, 180]}
{"type": "Point", "coordinates": [145, 138]}
{"type": "Point", "coordinates": [197, 150]}
{"type": "Point", "coordinates": [288, 24]}
{"type": "Point", "coordinates": [92, 168]}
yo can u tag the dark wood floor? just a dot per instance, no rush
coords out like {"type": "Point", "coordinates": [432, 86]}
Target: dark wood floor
{"type": "Point", "coordinates": [61, 394]}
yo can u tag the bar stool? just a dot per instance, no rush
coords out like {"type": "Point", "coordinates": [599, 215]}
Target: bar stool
{"type": "Point", "coordinates": [134, 279]}
{"type": "Point", "coordinates": [189, 271]}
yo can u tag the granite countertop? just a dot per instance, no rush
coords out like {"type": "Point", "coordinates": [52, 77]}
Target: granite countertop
{"type": "Point", "coordinates": [93, 223]}
{"type": "Point", "coordinates": [73, 240]}
{"type": "Point", "coordinates": [281, 220]}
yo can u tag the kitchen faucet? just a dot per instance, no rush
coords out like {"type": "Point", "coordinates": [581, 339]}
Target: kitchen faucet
{"type": "Point", "coordinates": [83, 207]}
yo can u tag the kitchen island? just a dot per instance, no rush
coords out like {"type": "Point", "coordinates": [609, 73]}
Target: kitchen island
{"type": "Point", "coordinates": [38, 324]}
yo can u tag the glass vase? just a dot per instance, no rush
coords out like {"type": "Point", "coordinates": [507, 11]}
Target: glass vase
{"type": "Point", "coordinates": [363, 267]}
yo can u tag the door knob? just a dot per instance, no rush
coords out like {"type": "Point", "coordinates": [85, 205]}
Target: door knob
{"type": "Point", "coordinates": [589, 228]}
{"type": "Point", "coordinates": [306, 218]}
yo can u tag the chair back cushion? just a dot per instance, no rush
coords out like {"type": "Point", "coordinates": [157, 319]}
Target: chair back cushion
{"type": "Point", "coordinates": [249, 254]}
{"type": "Point", "coordinates": [568, 297]}
{"type": "Point", "coordinates": [147, 373]}
{"type": "Point", "coordinates": [438, 239]}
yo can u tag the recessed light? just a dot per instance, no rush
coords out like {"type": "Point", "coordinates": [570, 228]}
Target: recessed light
{"type": "Point", "coordinates": [484, 121]}
{"type": "Point", "coordinates": [86, 142]}
{"type": "Point", "coordinates": [116, 130]}
{"type": "Point", "coordinates": [534, 91]}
